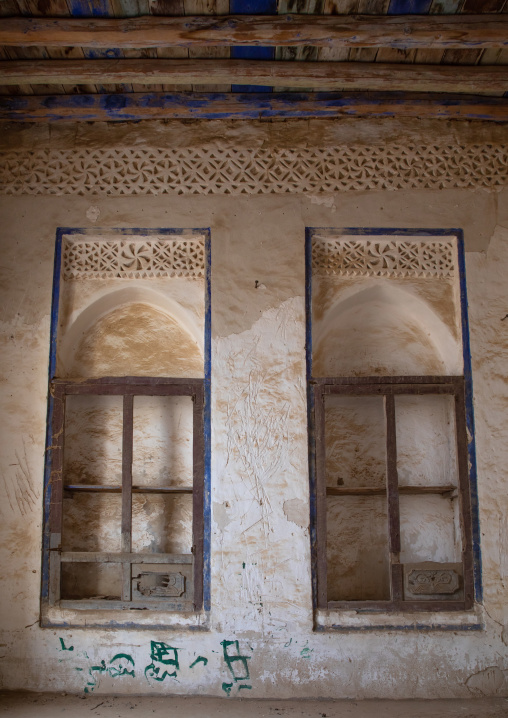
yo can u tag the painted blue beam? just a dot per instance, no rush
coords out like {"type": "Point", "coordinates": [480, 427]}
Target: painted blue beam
{"type": "Point", "coordinates": [252, 7]}
{"type": "Point", "coordinates": [202, 105]}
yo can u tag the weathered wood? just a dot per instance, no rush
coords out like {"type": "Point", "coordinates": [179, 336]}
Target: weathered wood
{"type": "Point", "coordinates": [464, 496]}
{"type": "Point", "coordinates": [155, 604]}
{"type": "Point", "coordinates": [317, 75]}
{"type": "Point", "coordinates": [156, 106]}
{"type": "Point", "coordinates": [321, 528]}
{"type": "Point", "coordinates": [398, 31]}
{"type": "Point", "coordinates": [123, 557]}
{"type": "Point", "coordinates": [198, 472]}
{"type": "Point", "coordinates": [379, 491]}
{"type": "Point", "coordinates": [392, 481]}
{"type": "Point", "coordinates": [127, 448]}
{"type": "Point", "coordinates": [110, 489]}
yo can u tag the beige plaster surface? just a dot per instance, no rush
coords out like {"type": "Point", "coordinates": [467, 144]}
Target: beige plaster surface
{"type": "Point", "coordinates": [261, 578]}
{"type": "Point", "coordinates": [47, 705]}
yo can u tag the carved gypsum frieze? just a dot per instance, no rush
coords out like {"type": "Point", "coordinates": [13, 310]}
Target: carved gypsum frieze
{"type": "Point", "coordinates": [133, 257]}
{"type": "Point", "coordinates": [382, 258]}
{"type": "Point", "coordinates": [146, 170]}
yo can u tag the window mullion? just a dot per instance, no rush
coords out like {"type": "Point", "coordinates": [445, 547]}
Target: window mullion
{"type": "Point", "coordinates": [57, 456]}
{"type": "Point", "coordinates": [393, 498]}
{"type": "Point", "coordinates": [127, 441]}
{"type": "Point", "coordinates": [319, 414]}
{"type": "Point", "coordinates": [198, 496]}
{"type": "Point", "coordinates": [464, 495]}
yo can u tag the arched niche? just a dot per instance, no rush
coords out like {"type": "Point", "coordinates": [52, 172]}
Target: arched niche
{"type": "Point", "coordinates": [132, 332]}
{"type": "Point", "coordinates": [383, 330]}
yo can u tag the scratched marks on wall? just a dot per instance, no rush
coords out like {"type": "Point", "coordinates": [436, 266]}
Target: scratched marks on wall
{"type": "Point", "coordinates": [162, 663]}
{"type": "Point", "coordinates": [263, 411]}
{"type": "Point", "coordinates": [21, 493]}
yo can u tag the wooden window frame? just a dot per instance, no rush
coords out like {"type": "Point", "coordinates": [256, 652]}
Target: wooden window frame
{"type": "Point", "coordinates": [128, 388]}
{"type": "Point", "coordinates": [388, 387]}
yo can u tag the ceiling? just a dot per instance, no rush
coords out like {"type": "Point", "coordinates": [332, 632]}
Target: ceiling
{"type": "Point", "coordinates": [383, 73]}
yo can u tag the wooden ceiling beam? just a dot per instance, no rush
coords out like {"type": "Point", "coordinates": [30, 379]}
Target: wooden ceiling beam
{"type": "Point", "coordinates": [333, 31]}
{"type": "Point", "coordinates": [158, 106]}
{"type": "Point", "coordinates": [318, 75]}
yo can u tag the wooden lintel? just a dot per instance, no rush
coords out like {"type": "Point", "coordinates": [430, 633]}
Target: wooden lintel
{"type": "Point", "coordinates": [318, 75]}
{"type": "Point", "coordinates": [398, 31]}
{"type": "Point", "coordinates": [201, 105]}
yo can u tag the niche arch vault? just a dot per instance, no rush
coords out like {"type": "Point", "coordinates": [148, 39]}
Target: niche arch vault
{"type": "Point", "coordinates": [104, 279]}
{"type": "Point", "coordinates": [379, 281]}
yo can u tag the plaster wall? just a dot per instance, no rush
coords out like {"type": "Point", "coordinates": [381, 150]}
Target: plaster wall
{"type": "Point", "coordinates": [260, 562]}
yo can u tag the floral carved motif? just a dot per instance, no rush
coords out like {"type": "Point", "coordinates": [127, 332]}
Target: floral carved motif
{"type": "Point", "coordinates": [133, 257]}
{"type": "Point", "coordinates": [382, 257]}
{"type": "Point", "coordinates": [148, 170]}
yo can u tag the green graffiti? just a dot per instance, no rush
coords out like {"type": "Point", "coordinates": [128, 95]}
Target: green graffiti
{"type": "Point", "coordinates": [244, 685]}
{"type": "Point", "coordinates": [167, 655]}
{"type": "Point", "coordinates": [120, 669]}
{"type": "Point", "coordinates": [199, 659]}
{"type": "Point", "coordinates": [226, 687]}
{"type": "Point", "coordinates": [63, 647]}
{"type": "Point", "coordinates": [306, 652]}
{"type": "Point", "coordinates": [286, 645]}
{"type": "Point", "coordinates": [232, 660]}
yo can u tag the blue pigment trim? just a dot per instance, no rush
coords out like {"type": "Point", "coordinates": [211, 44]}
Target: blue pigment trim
{"type": "Point", "coordinates": [88, 8]}
{"type": "Point", "coordinates": [252, 7]}
{"type": "Point", "coordinates": [207, 427]}
{"type": "Point", "coordinates": [55, 305]}
{"type": "Point", "coordinates": [468, 381]}
{"type": "Point", "coordinates": [409, 7]}
{"type": "Point", "coordinates": [255, 105]}
{"type": "Point", "coordinates": [310, 411]}
{"type": "Point", "coordinates": [416, 627]}
{"type": "Point", "coordinates": [471, 446]}
{"type": "Point", "coordinates": [61, 231]}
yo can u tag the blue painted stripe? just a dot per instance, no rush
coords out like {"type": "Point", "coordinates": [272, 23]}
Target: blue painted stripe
{"type": "Point", "coordinates": [55, 306]}
{"type": "Point", "coordinates": [252, 7]}
{"type": "Point", "coordinates": [207, 428]}
{"type": "Point", "coordinates": [203, 105]}
{"type": "Point", "coordinates": [409, 7]}
{"type": "Point", "coordinates": [414, 627]}
{"type": "Point", "coordinates": [89, 8]}
{"type": "Point", "coordinates": [471, 447]}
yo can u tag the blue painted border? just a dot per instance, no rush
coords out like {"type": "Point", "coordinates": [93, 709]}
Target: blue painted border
{"type": "Point", "coordinates": [55, 306]}
{"type": "Point", "coordinates": [468, 381]}
{"type": "Point", "coordinates": [471, 446]}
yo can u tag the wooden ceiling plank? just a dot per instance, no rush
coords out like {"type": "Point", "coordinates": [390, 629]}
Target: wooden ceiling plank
{"type": "Point", "coordinates": [249, 106]}
{"type": "Point", "coordinates": [318, 75]}
{"type": "Point", "coordinates": [208, 7]}
{"type": "Point", "coordinates": [404, 32]}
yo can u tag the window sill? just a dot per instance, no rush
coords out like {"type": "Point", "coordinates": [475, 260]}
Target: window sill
{"type": "Point", "coordinates": [53, 616]}
{"type": "Point", "coordinates": [369, 620]}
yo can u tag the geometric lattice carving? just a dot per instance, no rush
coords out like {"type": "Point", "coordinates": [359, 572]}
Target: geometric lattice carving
{"type": "Point", "coordinates": [382, 257]}
{"type": "Point", "coordinates": [425, 582]}
{"type": "Point", "coordinates": [133, 257]}
{"type": "Point", "coordinates": [147, 170]}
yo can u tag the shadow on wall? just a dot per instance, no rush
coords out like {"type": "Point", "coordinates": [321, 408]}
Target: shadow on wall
{"type": "Point", "coordinates": [385, 331]}
{"type": "Point", "coordinates": [131, 332]}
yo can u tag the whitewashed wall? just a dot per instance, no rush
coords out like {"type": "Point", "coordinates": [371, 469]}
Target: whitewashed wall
{"type": "Point", "coordinates": [261, 582]}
